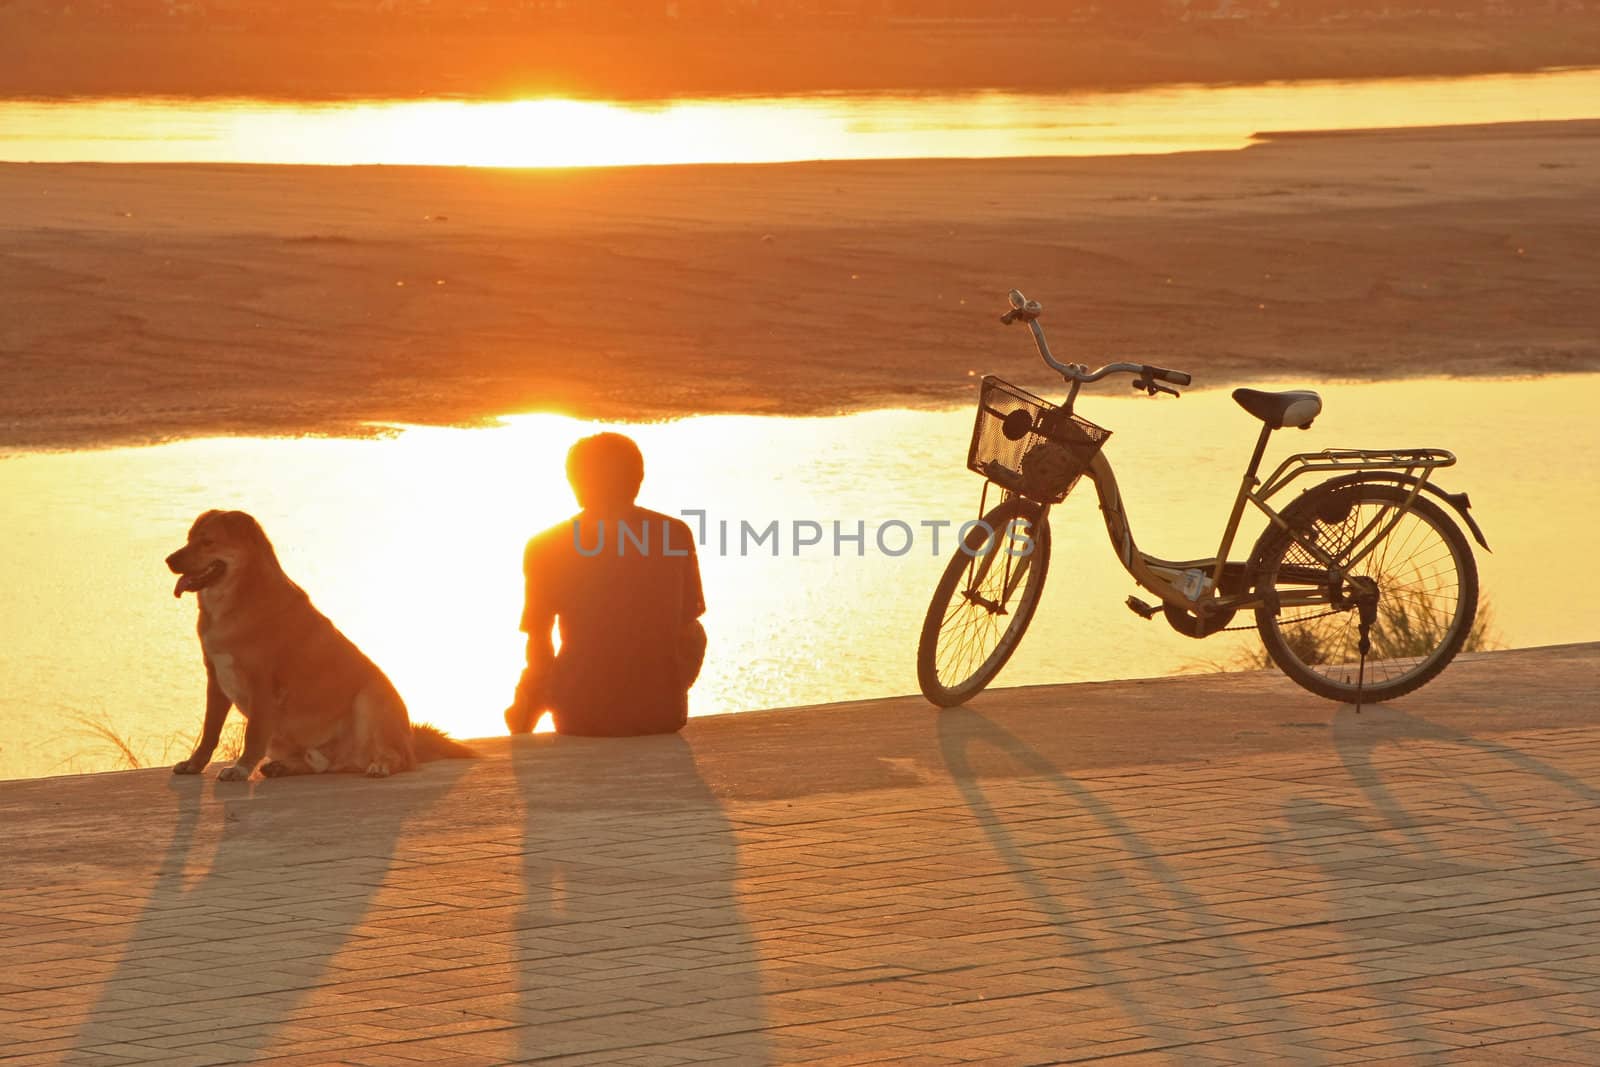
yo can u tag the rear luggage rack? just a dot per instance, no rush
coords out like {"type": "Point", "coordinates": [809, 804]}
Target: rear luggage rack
{"type": "Point", "coordinates": [1410, 460]}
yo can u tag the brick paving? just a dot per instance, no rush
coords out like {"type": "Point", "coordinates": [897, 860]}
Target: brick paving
{"type": "Point", "coordinates": [1204, 870]}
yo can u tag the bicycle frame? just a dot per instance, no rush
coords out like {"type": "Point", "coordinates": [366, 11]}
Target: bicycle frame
{"type": "Point", "coordinates": [1230, 582]}
{"type": "Point", "coordinates": [1229, 588]}
{"type": "Point", "coordinates": [1386, 604]}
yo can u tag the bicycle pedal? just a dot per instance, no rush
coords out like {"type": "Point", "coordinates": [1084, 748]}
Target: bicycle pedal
{"type": "Point", "coordinates": [1140, 608]}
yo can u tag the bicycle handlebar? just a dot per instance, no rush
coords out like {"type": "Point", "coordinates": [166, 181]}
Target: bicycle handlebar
{"type": "Point", "coordinates": [1147, 376]}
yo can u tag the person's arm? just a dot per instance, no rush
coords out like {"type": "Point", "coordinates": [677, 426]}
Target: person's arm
{"type": "Point", "coordinates": [691, 650]}
{"type": "Point", "coordinates": [541, 656]}
{"type": "Point", "coordinates": [694, 597]}
{"type": "Point", "coordinates": [538, 619]}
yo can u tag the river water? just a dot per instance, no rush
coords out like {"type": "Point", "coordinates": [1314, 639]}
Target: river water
{"type": "Point", "coordinates": [563, 132]}
{"type": "Point", "coordinates": [411, 542]}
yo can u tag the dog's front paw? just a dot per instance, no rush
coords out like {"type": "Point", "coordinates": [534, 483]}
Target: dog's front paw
{"type": "Point", "coordinates": [188, 766]}
{"type": "Point", "coordinates": [234, 773]}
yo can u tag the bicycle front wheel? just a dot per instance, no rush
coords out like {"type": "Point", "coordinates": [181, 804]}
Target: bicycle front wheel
{"type": "Point", "coordinates": [984, 602]}
{"type": "Point", "coordinates": [1427, 589]}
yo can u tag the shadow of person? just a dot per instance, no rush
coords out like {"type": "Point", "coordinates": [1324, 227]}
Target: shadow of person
{"type": "Point", "coordinates": [1089, 905]}
{"type": "Point", "coordinates": [261, 888]}
{"type": "Point", "coordinates": [630, 938]}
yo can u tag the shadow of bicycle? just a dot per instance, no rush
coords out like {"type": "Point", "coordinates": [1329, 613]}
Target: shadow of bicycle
{"type": "Point", "coordinates": [1129, 911]}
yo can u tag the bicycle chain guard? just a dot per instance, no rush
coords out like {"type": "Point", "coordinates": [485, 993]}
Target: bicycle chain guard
{"type": "Point", "coordinates": [1197, 626]}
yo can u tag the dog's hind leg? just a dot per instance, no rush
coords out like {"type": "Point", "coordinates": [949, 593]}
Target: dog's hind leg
{"type": "Point", "coordinates": [382, 731]}
{"type": "Point", "coordinates": [283, 768]}
{"type": "Point", "coordinates": [284, 760]}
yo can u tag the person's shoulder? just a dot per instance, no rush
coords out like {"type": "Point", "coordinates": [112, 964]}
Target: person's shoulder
{"type": "Point", "coordinates": [660, 516]}
{"type": "Point", "coordinates": [548, 541]}
{"type": "Point", "coordinates": [680, 533]}
{"type": "Point", "coordinates": [552, 535]}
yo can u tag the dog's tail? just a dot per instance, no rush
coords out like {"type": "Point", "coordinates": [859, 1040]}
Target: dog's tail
{"type": "Point", "coordinates": [432, 743]}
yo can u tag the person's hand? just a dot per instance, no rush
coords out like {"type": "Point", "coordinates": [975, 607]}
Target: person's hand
{"type": "Point", "coordinates": [691, 652]}
{"type": "Point", "coordinates": [520, 719]}
{"type": "Point", "coordinates": [527, 705]}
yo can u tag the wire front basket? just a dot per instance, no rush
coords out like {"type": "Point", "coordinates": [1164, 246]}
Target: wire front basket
{"type": "Point", "coordinates": [1030, 446]}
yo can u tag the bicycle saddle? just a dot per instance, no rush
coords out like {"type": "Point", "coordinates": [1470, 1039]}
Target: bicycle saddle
{"type": "Point", "coordinates": [1296, 407]}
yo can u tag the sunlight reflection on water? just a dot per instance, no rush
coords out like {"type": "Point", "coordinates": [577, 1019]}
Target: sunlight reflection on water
{"type": "Point", "coordinates": [557, 132]}
{"type": "Point", "coordinates": [412, 544]}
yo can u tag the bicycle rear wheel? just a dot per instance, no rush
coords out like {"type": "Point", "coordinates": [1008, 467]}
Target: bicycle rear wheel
{"type": "Point", "coordinates": [983, 603]}
{"type": "Point", "coordinates": [1427, 587]}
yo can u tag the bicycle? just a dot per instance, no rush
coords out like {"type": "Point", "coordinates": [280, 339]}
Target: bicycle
{"type": "Point", "coordinates": [1363, 587]}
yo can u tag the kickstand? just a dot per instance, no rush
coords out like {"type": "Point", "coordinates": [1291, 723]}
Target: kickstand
{"type": "Point", "coordinates": [1361, 671]}
{"type": "Point", "coordinates": [1366, 599]}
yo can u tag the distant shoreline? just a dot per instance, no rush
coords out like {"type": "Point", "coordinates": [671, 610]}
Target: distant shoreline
{"type": "Point", "coordinates": [71, 57]}
{"type": "Point", "coordinates": [147, 302]}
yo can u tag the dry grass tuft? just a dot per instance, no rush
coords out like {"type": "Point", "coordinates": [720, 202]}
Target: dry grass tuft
{"type": "Point", "coordinates": [1397, 636]}
{"type": "Point", "coordinates": [113, 751]}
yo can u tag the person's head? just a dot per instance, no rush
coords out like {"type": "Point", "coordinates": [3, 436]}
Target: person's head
{"type": "Point", "coordinates": [605, 471]}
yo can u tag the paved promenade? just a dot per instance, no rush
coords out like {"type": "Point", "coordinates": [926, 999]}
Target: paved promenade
{"type": "Point", "coordinates": [1195, 870]}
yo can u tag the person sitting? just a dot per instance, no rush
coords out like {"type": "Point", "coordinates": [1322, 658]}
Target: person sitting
{"type": "Point", "coordinates": [623, 584]}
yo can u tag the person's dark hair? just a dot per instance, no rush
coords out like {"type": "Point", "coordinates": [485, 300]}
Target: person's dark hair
{"type": "Point", "coordinates": [605, 470]}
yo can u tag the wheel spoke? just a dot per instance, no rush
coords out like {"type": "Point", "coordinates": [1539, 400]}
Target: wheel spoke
{"type": "Point", "coordinates": [1427, 592]}
{"type": "Point", "coordinates": [980, 610]}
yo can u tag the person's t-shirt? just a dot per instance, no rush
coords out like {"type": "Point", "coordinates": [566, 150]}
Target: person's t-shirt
{"type": "Point", "coordinates": [626, 591]}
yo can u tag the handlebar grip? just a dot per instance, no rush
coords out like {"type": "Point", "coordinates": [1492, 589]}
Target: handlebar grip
{"type": "Point", "coordinates": [1026, 310]}
{"type": "Point", "coordinates": [1176, 377]}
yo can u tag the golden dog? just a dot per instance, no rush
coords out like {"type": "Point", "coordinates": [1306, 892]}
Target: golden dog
{"type": "Point", "coordinates": [311, 701]}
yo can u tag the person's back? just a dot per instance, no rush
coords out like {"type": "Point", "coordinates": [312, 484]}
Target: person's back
{"type": "Point", "coordinates": [623, 584]}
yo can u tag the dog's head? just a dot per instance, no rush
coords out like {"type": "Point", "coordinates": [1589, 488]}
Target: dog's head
{"type": "Point", "coordinates": [220, 543]}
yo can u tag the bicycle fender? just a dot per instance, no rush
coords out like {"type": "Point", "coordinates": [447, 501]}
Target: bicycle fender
{"type": "Point", "coordinates": [1458, 501]}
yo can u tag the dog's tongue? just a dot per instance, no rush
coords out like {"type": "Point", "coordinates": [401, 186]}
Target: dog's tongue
{"type": "Point", "coordinates": [183, 585]}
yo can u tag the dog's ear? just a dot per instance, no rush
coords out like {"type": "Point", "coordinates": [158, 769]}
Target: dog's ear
{"type": "Point", "coordinates": [244, 529]}
{"type": "Point", "coordinates": [205, 517]}
{"type": "Point", "coordinates": [242, 526]}
{"type": "Point", "coordinates": [239, 525]}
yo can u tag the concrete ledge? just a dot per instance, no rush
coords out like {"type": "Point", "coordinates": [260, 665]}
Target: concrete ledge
{"type": "Point", "coordinates": [1197, 869]}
